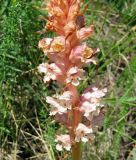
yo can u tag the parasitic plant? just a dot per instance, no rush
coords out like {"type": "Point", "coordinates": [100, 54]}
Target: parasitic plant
{"type": "Point", "coordinates": [68, 54]}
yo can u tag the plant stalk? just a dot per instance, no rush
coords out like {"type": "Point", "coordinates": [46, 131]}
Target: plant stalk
{"type": "Point", "coordinates": [76, 119]}
{"type": "Point", "coordinates": [76, 151]}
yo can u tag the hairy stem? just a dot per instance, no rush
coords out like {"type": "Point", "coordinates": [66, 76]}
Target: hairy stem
{"type": "Point", "coordinates": [76, 151]}
{"type": "Point", "coordinates": [76, 119]}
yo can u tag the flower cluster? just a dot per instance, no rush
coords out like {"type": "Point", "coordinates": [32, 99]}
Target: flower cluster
{"type": "Point", "coordinates": [91, 101]}
{"type": "Point", "coordinates": [60, 104]}
{"type": "Point", "coordinates": [67, 56]}
{"type": "Point", "coordinates": [63, 142]}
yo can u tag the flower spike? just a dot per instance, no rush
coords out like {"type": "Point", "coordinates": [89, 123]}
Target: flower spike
{"type": "Point", "coordinates": [68, 54]}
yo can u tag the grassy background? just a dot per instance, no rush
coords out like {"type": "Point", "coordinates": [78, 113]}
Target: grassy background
{"type": "Point", "coordinates": [26, 130]}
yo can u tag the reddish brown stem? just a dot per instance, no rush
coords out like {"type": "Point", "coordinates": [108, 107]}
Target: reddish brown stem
{"type": "Point", "coordinates": [76, 119]}
{"type": "Point", "coordinates": [76, 151]}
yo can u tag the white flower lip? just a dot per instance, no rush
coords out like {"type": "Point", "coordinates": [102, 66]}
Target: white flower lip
{"type": "Point", "coordinates": [63, 141]}
{"type": "Point", "coordinates": [74, 75]}
{"type": "Point", "coordinates": [51, 71]}
{"type": "Point", "coordinates": [82, 133]}
{"type": "Point", "coordinates": [60, 103]}
{"type": "Point", "coordinates": [91, 100]}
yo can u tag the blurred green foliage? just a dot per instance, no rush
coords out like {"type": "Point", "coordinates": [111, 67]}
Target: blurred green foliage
{"type": "Point", "coordinates": [127, 9]}
{"type": "Point", "coordinates": [21, 87]}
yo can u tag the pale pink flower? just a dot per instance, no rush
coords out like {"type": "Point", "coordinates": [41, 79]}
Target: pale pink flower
{"type": "Point", "coordinates": [84, 33]}
{"type": "Point", "coordinates": [82, 133]}
{"type": "Point", "coordinates": [56, 107]}
{"type": "Point", "coordinates": [66, 96]}
{"type": "Point", "coordinates": [51, 71]}
{"type": "Point", "coordinates": [74, 75]}
{"type": "Point", "coordinates": [91, 100]}
{"type": "Point", "coordinates": [88, 108]}
{"type": "Point", "coordinates": [60, 103]}
{"type": "Point", "coordinates": [82, 54]}
{"type": "Point", "coordinates": [63, 142]}
{"type": "Point", "coordinates": [54, 45]}
{"type": "Point", "coordinates": [42, 68]}
{"type": "Point", "coordinates": [94, 92]}
{"type": "Point", "coordinates": [44, 44]}
{"type": "Point", "coordinates": [51, 48]}
{"type": "Point", "coordinates": [58, 44]}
